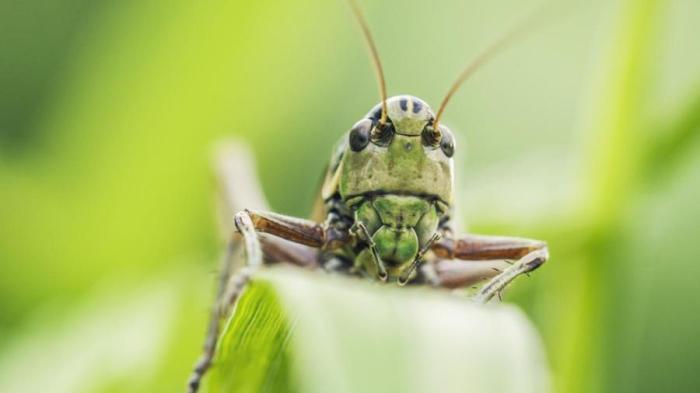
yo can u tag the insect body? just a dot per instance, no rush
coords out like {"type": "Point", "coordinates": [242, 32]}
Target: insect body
{"type": "Point", "coordinates": [391, 185]}
{"type": "Point", "coordinates": [384, 213]}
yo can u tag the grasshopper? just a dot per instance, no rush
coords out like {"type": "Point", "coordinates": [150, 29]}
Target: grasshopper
{"type": "Point", "coordinates": [384, 212]}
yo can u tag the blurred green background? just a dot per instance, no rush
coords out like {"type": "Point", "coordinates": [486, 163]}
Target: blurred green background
{"type": "Point", "coordinates": [583, 134]}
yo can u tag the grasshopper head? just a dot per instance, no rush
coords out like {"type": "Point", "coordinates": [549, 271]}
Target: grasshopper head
{"type": "Point", "coordinates": [396, 176]}
{"type": "Point", "coordinates": [407, 116]}
{"type": "Point", "coordinates": [404, 155]}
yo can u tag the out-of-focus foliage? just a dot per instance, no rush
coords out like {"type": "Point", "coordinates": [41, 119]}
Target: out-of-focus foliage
{"type": "Point", "coordinates": [583, 134]}
{"type": "Point", "coordinates": [304, 332]}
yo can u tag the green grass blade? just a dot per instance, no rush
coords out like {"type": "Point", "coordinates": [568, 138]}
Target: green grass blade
{"type": "Point", "coordinates": [309, 332]}
{"type": "Point", "coordinates": [676, 139]}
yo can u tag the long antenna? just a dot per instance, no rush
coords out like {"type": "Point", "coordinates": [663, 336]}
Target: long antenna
{"type": "Point", "coordinates": [357, 11]}
{"type": "Point", "coordinates": [487, 54]}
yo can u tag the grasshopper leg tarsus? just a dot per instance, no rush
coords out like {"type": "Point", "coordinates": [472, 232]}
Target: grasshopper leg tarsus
{"type": "Point", "coordinates": [524, 265]}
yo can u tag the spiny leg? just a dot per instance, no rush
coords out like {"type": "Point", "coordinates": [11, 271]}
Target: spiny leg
{"type": "Point", "coordinates": [230, 288]}
{"type": "Point", "coordinates": [295, 229]}
{"type": "Point", "coordinates": [524, 265]}
{"type": "Point", "coordinates": [213, 328]}
{"type": "Point", "coordinates": [238, 186]}
{"type": "Point", "coordinates": [235, 286]}
{"type": "Point", "coordinates": [248, 224]}
{"type": "Point", "coordinates": [454, 274]}
{"type": "Point", "coordinates": [530, 254]}
{"type": "Point", "coordinates": [367, 237]}
{"type": "Point", "coordinates": [481, 247]}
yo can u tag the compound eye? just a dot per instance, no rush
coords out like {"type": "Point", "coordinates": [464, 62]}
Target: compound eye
{"type": "Point", "coordinates": [360, 134]}
{"type": "Point", "coordinates": [431, 137]}
{"type": "Point", "coordinates": [447, 144]}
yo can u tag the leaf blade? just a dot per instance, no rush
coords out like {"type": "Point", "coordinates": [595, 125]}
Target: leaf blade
{"type": "Point", "coordinates": [351, 336]}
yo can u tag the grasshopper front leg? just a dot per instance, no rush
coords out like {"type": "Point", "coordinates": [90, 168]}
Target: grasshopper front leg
{"type": "Point", "coordinates": [248, 224]}
{"type": "Point", "coordinates": [524, 265]}
{"type": "Point", "coordinates": [477, 249]}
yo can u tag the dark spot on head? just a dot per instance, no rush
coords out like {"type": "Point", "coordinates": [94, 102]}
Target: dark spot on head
{"type": "Point", "coordinates": [404, 104]}
{"type": "Point", "coordinates": [417, 106]}
{"type": "Point", "coordinates": [408, 146]}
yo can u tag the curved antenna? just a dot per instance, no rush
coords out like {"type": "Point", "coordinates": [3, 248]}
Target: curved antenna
{"type": "Point", "coordinates": [357, 11]}
{"type": "Point", "coordinates": [487, 54]}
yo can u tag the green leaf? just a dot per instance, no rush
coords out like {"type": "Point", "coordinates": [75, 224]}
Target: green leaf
{"type": "Point", "coordinates": [297, 331]}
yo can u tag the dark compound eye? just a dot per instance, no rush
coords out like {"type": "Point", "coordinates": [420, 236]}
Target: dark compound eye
{"type": "Point", "coordinates": [359, 135]}
{"type": "Point", "coordinates": [447, 144]}
{"type": "Point", "coordinates": [430, 137]}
